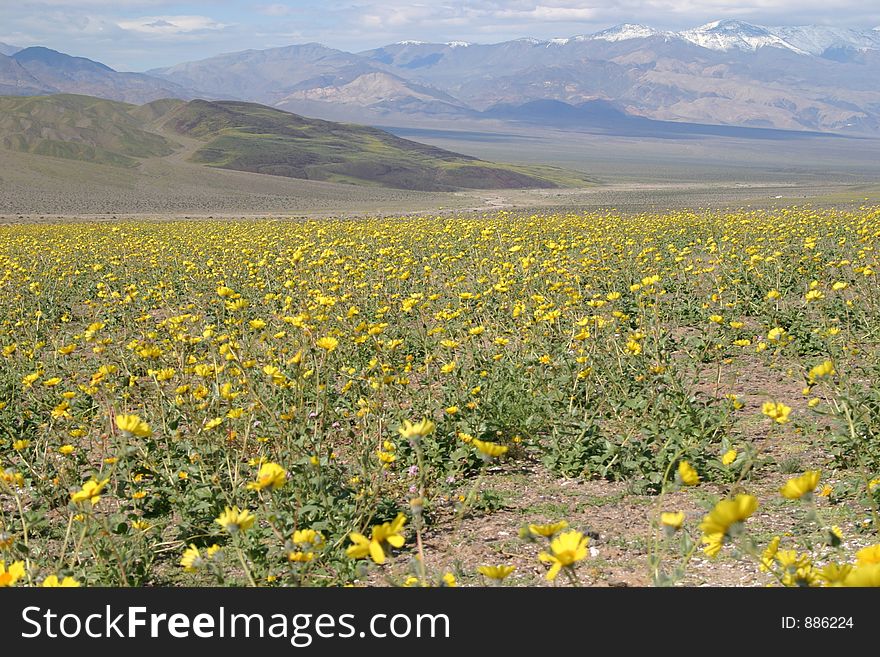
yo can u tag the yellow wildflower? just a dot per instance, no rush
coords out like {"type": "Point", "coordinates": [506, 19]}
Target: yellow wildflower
{"type": "Point", "coordinates": [271, 475]}
{"type": "Point", "coordinates": [565, 551]}
{"type": "Point", "coordinates": [688, 474]}
{"type": "Point", "coordinates": [798, 487]}
{"type": "Point", "coordinates": [776, 411]}
{"type": "Point", "coordinates": [234, 521]}
{"type": "Point", "coordinates": [382, 538]}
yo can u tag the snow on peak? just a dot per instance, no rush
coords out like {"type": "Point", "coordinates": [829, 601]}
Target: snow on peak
{"type": "Point", "coordinates": [807, 39]}
{"type": "Point", "coordinates": [626, 31]}
{"type": "Point", "coordinates": [724, 35]}
{"type": "Point", "coordinates": [730, 34]}
{"type": "Point", "coordinates": [816, 39]}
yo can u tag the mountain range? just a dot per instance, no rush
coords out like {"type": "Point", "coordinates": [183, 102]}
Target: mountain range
{"type": "Point", "coordinates": [724, 73]}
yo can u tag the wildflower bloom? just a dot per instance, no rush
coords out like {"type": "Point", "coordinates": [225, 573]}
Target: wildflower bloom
{"type": "Point", "coordinates": [275, 374]}
{"type": "Point", "coordinates": [776, 334]}
{"type": "Point", "coordinates": [11, 574]}
{"type": "Point", "coordinates": [386, 455]}
{"type": "Point", "coordinates": [52, 581]}
{"type": "Point", "coordinates": [327, 344]}
{"type": "Point", "coordinates": [271, 475]}
{"type": "Point", "coordinates": [548, 530]}
{"type": "Point", "coordinates": [863, 575]}
{"type": "Point", "coordinates": [727, 515]}
{"type": "Point", "coordinates": [776, 411]}
{"type": "Point", "coordinates": [489, 449]}
{"type": "Point", "coordinates": [673, 520]}
{"type": "Point", "coordinates": [382, 536]}
{"type": "Point", "coordinates": [565, 550]}
{"type": "Point", "coordinates": [712, 544]}
{"type": "Point", "coordinates": [769, 554]}
{"type": "Point", "coordinates": [688, 474]}
{"type": "Point", "coordinates": [234, 520]}
{"type": "Point", "coordinates": [308, 537]}
{"type": "Point", "coordinates": [835, 574]}
{"type": "Point", "coordinates": [497, 573]}
{"type": "Point", "coordinates": [835, 536]}
{"type": "Point", "coordinates": [821, 371]}
{"type": "Point", "coordinates": [133, 426]}
{"type": "Point", "coordinates": [417, 430]}
{"type": "Point", "coordinates": [797, 569]}
{"type": "Point", "coordinates": [798, 487]}
{"type": "Point", "coordinates": [11, 478]}
{"type": "Point", "coordinates": [868, 555]}
{"type": "Point", "coordinates": [90, 492]}
{"type": "Point", "coordinates": [300, 548]}
{"type": "Point", "coordinates": [193, 559]}
{"type": "Point", "coordinates": [728, 457]}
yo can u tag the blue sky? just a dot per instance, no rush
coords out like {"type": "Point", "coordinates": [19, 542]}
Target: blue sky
{"type": "Point", "coordinates": [141, 34]}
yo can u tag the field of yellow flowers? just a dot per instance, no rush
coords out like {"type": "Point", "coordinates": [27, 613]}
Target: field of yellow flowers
{"type": "Point", "coordinates": [286, 403]}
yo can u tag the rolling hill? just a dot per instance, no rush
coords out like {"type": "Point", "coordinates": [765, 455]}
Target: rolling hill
{"type": "Point", "coordinates": [78, 128]}
{"type": "Point", "coordinates": [252, 138]}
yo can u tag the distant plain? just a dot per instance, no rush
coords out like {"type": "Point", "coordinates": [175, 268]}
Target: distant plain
{"type": "Point", "coordinates": [632, 174]}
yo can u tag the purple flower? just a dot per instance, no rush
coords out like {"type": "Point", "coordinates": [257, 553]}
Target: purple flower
{"type": "Point", "coordinates": [413, 470]}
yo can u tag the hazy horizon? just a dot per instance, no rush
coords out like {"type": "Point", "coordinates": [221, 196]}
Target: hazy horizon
{"type": "Point", "coordinates": [137, 35]}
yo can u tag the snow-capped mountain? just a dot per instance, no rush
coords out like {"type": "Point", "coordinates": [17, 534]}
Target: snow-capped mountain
{"type": "Point", "coordinates": [817, 39]}
{"type": "Point", "coordinates": [724, 35]}
{"type": "Point", "coordinates": [627, 31]}
{"type": "Point", "coordinates": [726, 72]}
{"type": "Point", "coordinates": [721, 36]}
{"type": "Point", "coordinates": [730, 34]}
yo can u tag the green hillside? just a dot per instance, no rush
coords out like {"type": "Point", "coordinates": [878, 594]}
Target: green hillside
{"type": "Point", "coordinates": [78, 128]}
{"type": "Point", "coordinates": [250, 137]}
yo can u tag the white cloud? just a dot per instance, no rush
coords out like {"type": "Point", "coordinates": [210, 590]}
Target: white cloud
{"type": "Point", "coordinates": [547, 13]}
{"type": "Point", "coordinates": [171, 25]}
{"type": "Point", "coordinates": [277, 10]}
{"type": "Point", "coordinates": [103, 4]}
{"type": "Point", "coordinates": [125, 33]}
